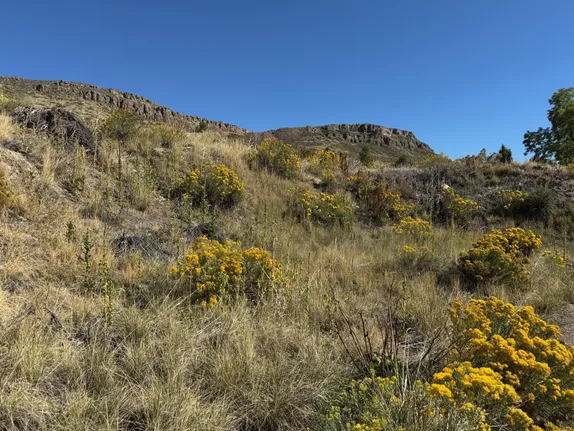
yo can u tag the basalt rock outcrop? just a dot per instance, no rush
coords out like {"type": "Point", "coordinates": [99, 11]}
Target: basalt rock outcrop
{"type": "Point", "coordinates": [91, 103]}
{"type": "Point", "coordinates": [69, 93]}
{"type": "Point", "coordinates": [381, 139]}
{"type": "Point", "coordinates": [58, 124]}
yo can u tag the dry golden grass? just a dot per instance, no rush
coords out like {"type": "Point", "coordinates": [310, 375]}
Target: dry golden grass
{"type": "Point", "coordinates": [7, 129]}
{"type": "Point", "coordinates": [135, 356]}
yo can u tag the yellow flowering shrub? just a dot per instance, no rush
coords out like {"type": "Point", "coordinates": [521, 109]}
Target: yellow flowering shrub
{"type": "Point", "coordinates": [215, 184]}
{"type": "Point", "coordinates": [523, 351]}
{"type": "Point", "coordinates": [323, 208]}
{"type": "Point", "coordinates": [324, 159]}
{"type": "Point", "coordinates": [459, 210]}
{"type": "Point", "coordinates": [507, 202]}
{"type": "Point", "coordinates": [276, 157]}
{"type": "Point", "coordinates": [213, 271]}
{"type": "Point", "coordinates": [414, 227]}
{"type": "Point", "coordinates": [499, 255]}
{"type": "Point", "coordinates": [387, 404]}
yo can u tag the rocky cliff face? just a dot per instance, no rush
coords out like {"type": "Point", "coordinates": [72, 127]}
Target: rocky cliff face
{"type": "Point", "coordinates": [61, 92]}
{"type": "Point", "coordinates": [86, 101]}
{"type": "Point", "coordinates": [383, 140]}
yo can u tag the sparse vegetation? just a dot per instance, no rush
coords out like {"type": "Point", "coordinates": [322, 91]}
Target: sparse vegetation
{"type": "Point", "coordinates": [279, 287]}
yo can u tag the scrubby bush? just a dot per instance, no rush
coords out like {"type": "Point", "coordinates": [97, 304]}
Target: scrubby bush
{"type": "Point", "coordinates": [323, 208]}
{"type": "Point", "coordinates": [508, 202]}
{"type": "Point", "coordinates": [216, 185]}
{"type": "Point", "coordinates": [324, 159]}
{"type": "Point", "coordinates": [214, 271]}
{"type": "Point", "coordinates": [415, 228]}
{"type": "Point", "coordinates": [416, 259]}
{"type": "Point", "coordinates": [392, 404]}
{"type": "Point", "coordinates": [500, 255]}
{"type": "Point", "coordinates": [276, 157]}
{"type": "Point", "coordinates": [460, 211]}
{"type": "Point", "coordinates": [434, 160]}
{"type": "Point", "coordinates": [121, 125]}
{"type": "Point", "coordinates": [376, 200]}
{"type": "Point", "coordinates": [167, 136]}
{"type": "Point", "coordinates": [538, 205]}
{"type": "Point", "coordinates": [366, 156]}
{"type": "Point", "coordinates": [506, 369]}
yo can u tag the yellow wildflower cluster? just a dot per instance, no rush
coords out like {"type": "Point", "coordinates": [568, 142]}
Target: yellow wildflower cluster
{"type": "Point", "coordinates": [499, 255]}
{"type": "Point", "coordinates": [325, 159]}
{"type": "Point", "coordinates": [522, 351]}
{"type": "Point", "coordinates": [215, 184]}
{"type": "Point", "coordinates": [387, 404]}
{"type": "Point", "coordinates": [214, 270]}
{"type": "Point", "coordinates": [460, 210]}
{"type": "Point", "coordinates": [508, 201]}
{"type": "Point", "coordinates": [277, 157]}
{"type": "Point", "coordinates": [508, 371]}
{"type": "Point", "coordinates": [324, 208]}
{"type": "Point", "coordinates": [415, 228]}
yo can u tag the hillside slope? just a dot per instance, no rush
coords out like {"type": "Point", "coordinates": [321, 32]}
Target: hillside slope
{"type": "Point", "coordinates": [92, 103]}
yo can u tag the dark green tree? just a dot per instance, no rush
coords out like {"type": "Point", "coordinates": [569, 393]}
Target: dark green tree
{"type": "Point", "coordinates": [555, 143]}
{"type": "Point", "coordinates": [366, 156]}
{"type": "Point", "coordinates": [504, 154]}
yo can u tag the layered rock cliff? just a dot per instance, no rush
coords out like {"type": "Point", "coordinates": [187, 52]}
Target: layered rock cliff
{"type": "Point", "coordinates": [91, 103]}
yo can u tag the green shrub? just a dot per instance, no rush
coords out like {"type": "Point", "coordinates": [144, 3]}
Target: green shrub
{"type": "Point", "coordinates": [216, 185]}
{"type": "Point", "coordinates": [277, 157]}
{"type": "Point", "coordinates": [121, 125]}
{"type": "Point", "coordinates": [366, 156]}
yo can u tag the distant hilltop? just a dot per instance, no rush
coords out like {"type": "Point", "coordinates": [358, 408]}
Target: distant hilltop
{"type": "Point", "coordinates": [90, 103]}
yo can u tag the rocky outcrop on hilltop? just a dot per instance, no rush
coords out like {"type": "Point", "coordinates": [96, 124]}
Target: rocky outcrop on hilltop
{"type": "Point", "coordinates": [62, 92]}
{"type": "Point", "coordinates": [88, 102]}
{"type": "Point", "coordinates": [384, 140]}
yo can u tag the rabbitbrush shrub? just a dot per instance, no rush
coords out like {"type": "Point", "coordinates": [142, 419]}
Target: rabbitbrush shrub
{"type": "Point", "coordinates": [507, 370]}
{"type": "Point", "coordinates": [213, 271]}
{"type": "Point", "coordinates": [322, 208]}
{"type": "Point", "coordinates": [501, 255]}
{"type": "Point", "coordinates": [277, 157]}
{"type": "Point", "coordinates": [216, 185]}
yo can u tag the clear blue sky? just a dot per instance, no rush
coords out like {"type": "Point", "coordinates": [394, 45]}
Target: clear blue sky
{"type": "Point", "coordinates": [462, 75]}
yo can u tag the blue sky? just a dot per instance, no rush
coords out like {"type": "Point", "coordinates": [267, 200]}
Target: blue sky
{"type": "Point", "coordinates": [461, 75]}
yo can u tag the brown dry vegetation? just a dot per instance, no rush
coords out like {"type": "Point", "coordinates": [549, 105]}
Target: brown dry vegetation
{"type": "Point", "coordinates": [104, 342]}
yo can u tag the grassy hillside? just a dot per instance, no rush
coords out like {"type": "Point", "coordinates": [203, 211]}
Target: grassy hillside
{"type": "Point", "coordinates": [97, 332]}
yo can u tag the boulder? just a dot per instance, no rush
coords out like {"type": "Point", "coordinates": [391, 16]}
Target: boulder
{"type": "Point", "coordinates": [58, 124]}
